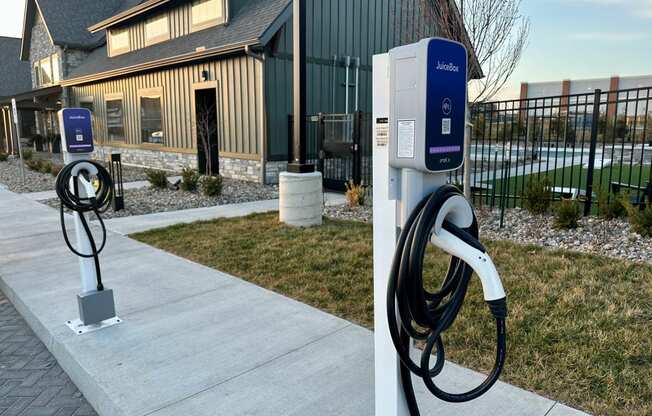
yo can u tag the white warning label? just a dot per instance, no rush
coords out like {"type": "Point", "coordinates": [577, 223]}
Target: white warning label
{"type": "Point", "coordinates": [406, 137]}
{"type": "Point", "coordinates": [382, 131]}
{"type": "Point", "coordinates": [445, 126]}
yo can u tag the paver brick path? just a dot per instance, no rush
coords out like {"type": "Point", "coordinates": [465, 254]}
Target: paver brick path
{"type": "Point", "coordinates": [31, 381]}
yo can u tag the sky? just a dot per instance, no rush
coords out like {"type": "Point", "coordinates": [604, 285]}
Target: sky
{"type": "Point", "coordinates": [569, 39]}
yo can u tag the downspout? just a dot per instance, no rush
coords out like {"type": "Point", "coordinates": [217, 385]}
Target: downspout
{"type": "Point", "coordinates": [261, 57]}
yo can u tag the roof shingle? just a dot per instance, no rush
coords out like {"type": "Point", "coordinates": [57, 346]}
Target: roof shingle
{"type": "Point", "coordinates": [15, 74]}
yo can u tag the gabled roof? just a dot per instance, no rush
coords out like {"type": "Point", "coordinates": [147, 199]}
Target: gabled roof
{"type": "Point", "coordinates": [15, 75]}
{"type": "Point", "coordinates": [252, 24]}
{"type": "Point", "coordinates": [67, 21]}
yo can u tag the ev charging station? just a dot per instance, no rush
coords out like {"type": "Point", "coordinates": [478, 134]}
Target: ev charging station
{"type": "Point", "coordinates": [84, 187]}
{"type": "Point", "coordinates": [420, 104]}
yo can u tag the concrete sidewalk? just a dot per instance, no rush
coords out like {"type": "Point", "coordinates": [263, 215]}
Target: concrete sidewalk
{"type": "Point", "coordinates": [140, 223]}
{"type": "Point", "coordinates": [199, 342]}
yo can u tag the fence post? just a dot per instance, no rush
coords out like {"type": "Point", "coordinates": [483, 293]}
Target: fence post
{"type": "Point", "coordinates": [594, 141]}
{"type": "Point", "coordinates": [357, 128]}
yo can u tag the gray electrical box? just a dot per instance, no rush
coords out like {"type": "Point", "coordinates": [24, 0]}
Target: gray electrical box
{"type": "Point", "coordinates": [96, 306]}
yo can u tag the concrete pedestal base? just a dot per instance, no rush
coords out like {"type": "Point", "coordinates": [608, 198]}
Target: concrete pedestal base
{"type": "Point", "coordinates": [301, 199]}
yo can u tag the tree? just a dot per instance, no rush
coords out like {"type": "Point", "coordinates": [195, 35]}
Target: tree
{"type": "Point", "coordinates": [206, 128]}
{"type": "Point", "coordinates": [497, 33]}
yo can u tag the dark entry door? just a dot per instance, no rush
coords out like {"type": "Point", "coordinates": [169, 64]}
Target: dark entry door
{"type": "Point", "coordinates": [207, 131]}
{"type": "Point", "coordinates": [339, 158]}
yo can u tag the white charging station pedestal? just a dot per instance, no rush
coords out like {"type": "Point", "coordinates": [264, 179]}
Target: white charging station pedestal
{"type": "Point", "coordinates": [419, 111]}
{"type": "Point", "coordinates": [96, 307]}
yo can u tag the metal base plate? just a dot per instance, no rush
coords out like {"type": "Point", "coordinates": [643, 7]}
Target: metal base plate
{"type": "Point", "coordinates": [78, 327]}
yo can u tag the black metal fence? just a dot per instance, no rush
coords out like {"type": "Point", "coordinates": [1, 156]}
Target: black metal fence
{"type": "Point", "coordinates": [584, 144]}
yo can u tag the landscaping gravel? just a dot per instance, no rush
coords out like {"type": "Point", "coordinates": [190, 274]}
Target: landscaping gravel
{"type": "Point", "coordinates": [149, 200]}
{"type": "Point", "coordinates": [38, 182]}
{"type": "Point", "coordinates": [611, 238]}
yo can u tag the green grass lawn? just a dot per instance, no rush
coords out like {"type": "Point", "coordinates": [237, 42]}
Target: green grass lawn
{"type": "Point", "coordinates": [579, 327]}
{"type": "Point", "coordinates": [576, 177]}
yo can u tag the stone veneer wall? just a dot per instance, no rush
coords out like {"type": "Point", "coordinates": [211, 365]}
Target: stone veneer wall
{"type": "Point", "coordinates": [149, 158]}
{"type": "Point", "coordinates": [273, 170]}
{"type": "Point", "coordinates": [242, 169]}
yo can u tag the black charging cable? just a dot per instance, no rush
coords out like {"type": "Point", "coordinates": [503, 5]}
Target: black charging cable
{"type": "Point", "coordinates": [425, 316]}
{"type": "Point", "coordinates": [71, 199]}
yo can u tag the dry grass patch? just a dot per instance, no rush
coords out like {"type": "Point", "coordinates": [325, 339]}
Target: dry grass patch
{"type": "Point", "coordinates": [579, 325]}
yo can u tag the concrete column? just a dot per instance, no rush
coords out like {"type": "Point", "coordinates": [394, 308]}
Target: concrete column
{"type": "Point", "coordinates": [301, 199]}
{"type": "Point", "coordinates": [565, 92]}
{"type": "Point", "coordinates": [523, 105]}
{"type": "Point", "coordinates": [612, 107]}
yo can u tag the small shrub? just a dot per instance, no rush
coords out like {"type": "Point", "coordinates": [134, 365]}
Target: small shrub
{"type": "Point", "coordinates": [567, 214]}
{"type": "Point", "coordinates": [611, 206]}
{"type": "Point", "coordinates": [212, 186]}
{"type": "Point", "coordinates": [55, 169]}
{"type": "Point", "coordinates": [189, 179]}
{"type": "Point", "coordinates": [538, 195]}
{"type": "Point", "coordinates": [34, 164]}
{"type": "Point", "coordinates": [639, 219]}
{"type": "Point", "coordinates": [45, 166]}
{"type": "Point", "coordinates": [355, 194]}
{"type": "Point", "coordinates": [157, 178]}
{"type": "Point", "coordinates": [3, 157]}
{"type": "Point", "coordinates": [27, 154]}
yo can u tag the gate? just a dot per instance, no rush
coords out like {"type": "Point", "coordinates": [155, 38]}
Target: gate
{"type": "Point", "coordinates": [340, 147]}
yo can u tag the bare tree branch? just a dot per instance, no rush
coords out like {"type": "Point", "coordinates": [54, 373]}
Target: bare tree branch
{"type": "Point", "coordinates": [496, 35]}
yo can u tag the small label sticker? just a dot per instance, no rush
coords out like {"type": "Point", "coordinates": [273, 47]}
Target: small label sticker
{"type": "Point", "coordinates": [382, 131]}
{"type": "Point", "coordinates": [445, 126]}
{"type": "Point", "coordinates": [406, 137]}
{"type": "Point", "coordinates": [80, 137]}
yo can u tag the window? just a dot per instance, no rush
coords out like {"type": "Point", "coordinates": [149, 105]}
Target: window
{"type": "Point", "coordinates": [115, 119]}
{"type": "Point", "coordinates": [151, 116]}
{"type": "Point", "coordinates": [37, 74]}
{"type": "Point", "coordinates": [119, 41]}
{"type": "Point", "coordinates": [46, 71]}
{"type": "Point", "coordinates": [207, 13]}
{"type": "Point", "coordinates": [87, 103]}
{"type": "Point", "coordinates": [157, 29]}
{"type": "Point", "coordinates": [56, 75]}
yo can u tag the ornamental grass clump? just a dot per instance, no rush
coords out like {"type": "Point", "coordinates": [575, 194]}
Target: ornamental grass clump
{"type": "Point", "coordinates": [567, 214]}
{"type": "Point", "coordinates": [610, 206]}
{"type": "Point", "coordinates": [157, 178]}
{"type": "Point", "coordinates": [3, 157]}
{"type": "Point", "coordinates": [639, 219]}
{"type": "Point", "coordinates": [355, 194]}
{"type": "Point", "coordinates": [189, 179]}
{"type": "Point", "coordinates": [212, 186]}
{"type": "Point", "coordinates": [537, 195]}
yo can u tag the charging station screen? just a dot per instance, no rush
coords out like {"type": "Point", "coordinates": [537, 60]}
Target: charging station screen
{"type": "Point", "coordinates": [78, 128]}
{"type": "Point", "coordinates": [445, 105]}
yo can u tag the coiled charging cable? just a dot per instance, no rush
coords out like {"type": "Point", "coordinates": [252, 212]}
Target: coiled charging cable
{"type": "Point", "coordinates": [98, 204]}
{"type": "Point", "coordinates": [425, 316]}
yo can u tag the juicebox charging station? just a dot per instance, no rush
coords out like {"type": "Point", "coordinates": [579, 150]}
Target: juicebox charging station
{"type": "Point", "coordinates": [84, 186]}
{"type": "Point", "coordinates": [420, 104]}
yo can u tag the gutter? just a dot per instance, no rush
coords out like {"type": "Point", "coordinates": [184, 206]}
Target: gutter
{"type": "Point", "coordinates": [188, 57]}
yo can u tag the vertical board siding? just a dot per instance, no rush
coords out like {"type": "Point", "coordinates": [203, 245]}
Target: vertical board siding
{"type": "Point", "coordinates": [360, 28]}
{"type": "Point", "coordinates": [239, 104]}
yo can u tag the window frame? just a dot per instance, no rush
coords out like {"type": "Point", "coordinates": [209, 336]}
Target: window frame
{"type": "Point", "coordinates": [42, 72]}
{"type": "Point", "coordinates": [56, 69]}
{"type": "Point", "coordinates": [159, 38]}
{"type": "Point", "coordinates": [37, 73]}
{"type": "Point", "coordinates": [119, 51]}
{"type": "Point", "coordinates": [196, 27]}
{"type": "Point", "coordinates": [118, 96]}
{"type": "Point", "coordinates": [147, 93]}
